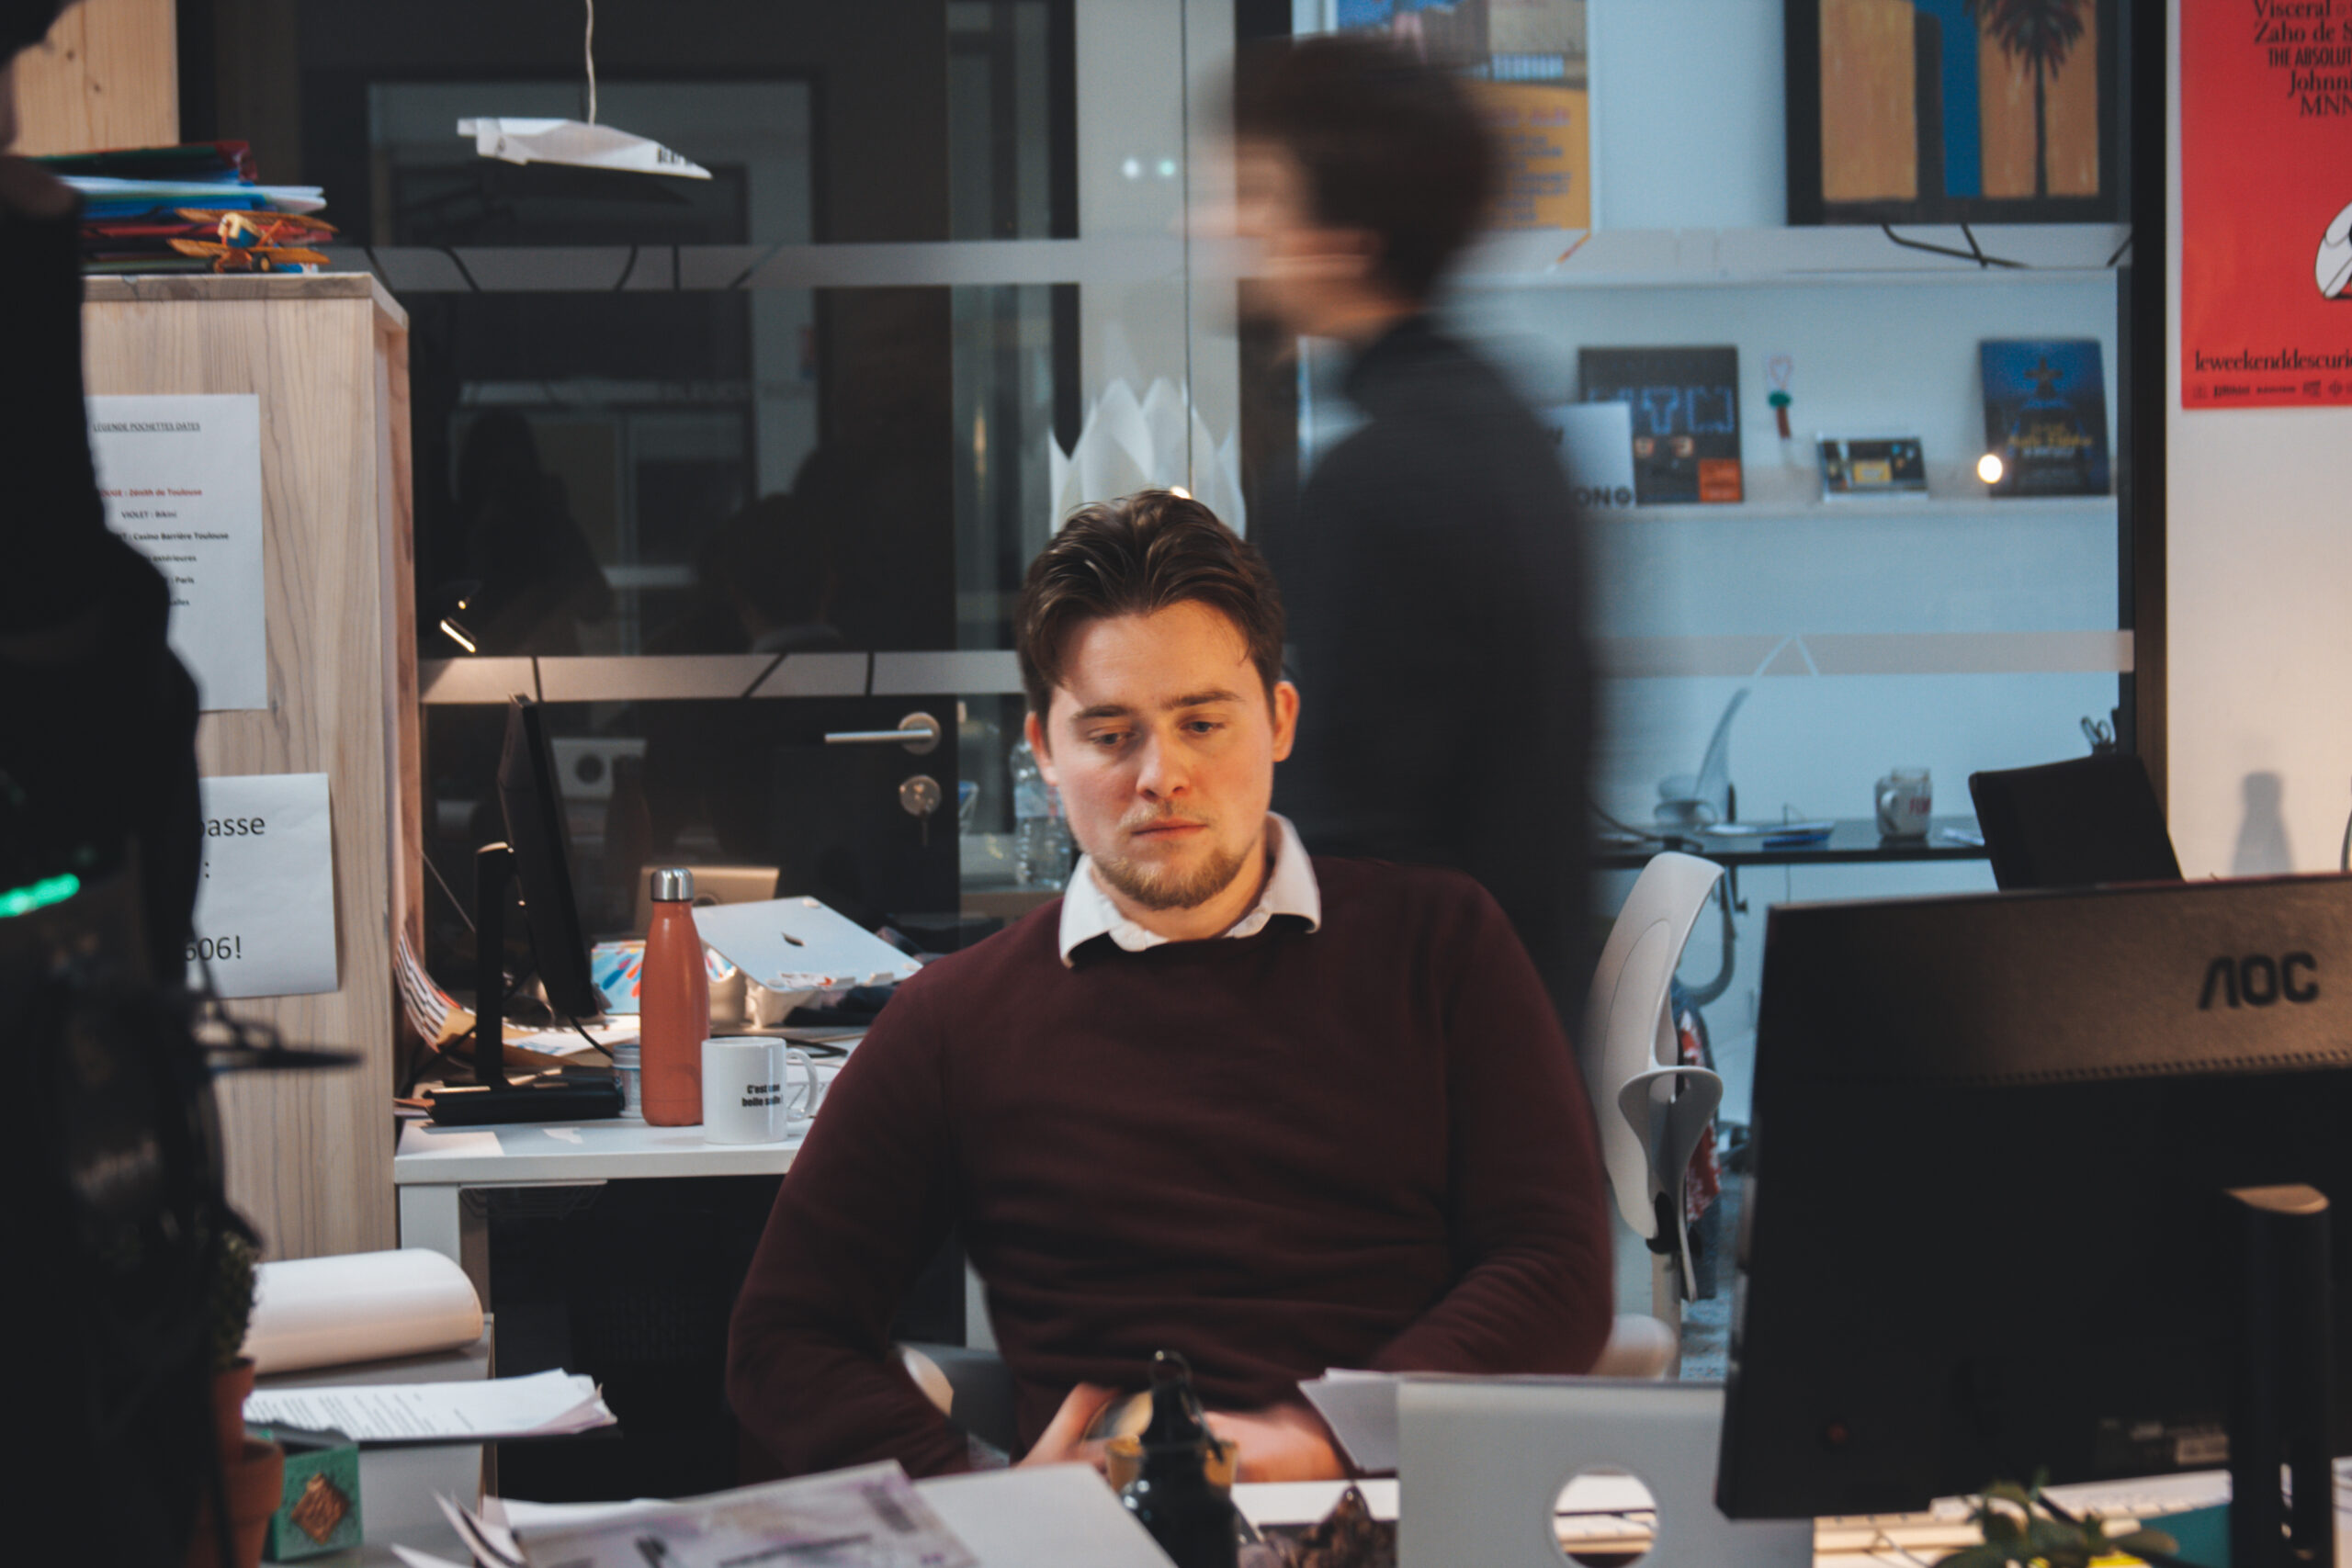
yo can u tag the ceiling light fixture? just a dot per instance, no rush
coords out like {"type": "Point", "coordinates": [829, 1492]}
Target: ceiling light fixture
{"type": "Point", "coordinates": [580, 143]}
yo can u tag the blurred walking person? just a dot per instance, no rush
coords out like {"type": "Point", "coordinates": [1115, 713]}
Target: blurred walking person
{"type": "Point", "coordinates": [1434, 566]}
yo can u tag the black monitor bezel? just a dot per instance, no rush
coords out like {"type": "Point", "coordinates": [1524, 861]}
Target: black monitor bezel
{"type": "Point", "coordinates": [1905, 1333]}
{"type": "Point", "coordinates": [540, 838]}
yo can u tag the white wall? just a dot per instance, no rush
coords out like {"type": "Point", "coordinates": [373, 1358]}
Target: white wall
{"type": "Point", "coordinates": [2258, 548]}
{"type": "Point", "coordinates": [1689, 129]}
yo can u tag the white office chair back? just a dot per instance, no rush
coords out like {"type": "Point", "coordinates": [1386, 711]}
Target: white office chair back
{"type": "Point", "coordinates": [1631, 1058]}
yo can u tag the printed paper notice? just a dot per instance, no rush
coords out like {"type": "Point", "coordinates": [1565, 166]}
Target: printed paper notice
{"type": "Point", "coordinates": [265, 907]}
{"type": "Point", "coordinates": [181, 478]}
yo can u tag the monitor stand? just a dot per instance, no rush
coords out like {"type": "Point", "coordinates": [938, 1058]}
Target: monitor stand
{"type": "Point", "coordinates": [2280, 1419]}
{"type": "Point", "coordinates": [492, 1098]}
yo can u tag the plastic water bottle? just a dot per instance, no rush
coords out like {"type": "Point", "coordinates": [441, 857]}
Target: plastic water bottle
{"type": "Point", "coordinates": [1041, 847]}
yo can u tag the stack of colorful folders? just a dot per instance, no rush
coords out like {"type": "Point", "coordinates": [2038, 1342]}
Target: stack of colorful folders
{"type": "Point", "coordinates": [191, 208]}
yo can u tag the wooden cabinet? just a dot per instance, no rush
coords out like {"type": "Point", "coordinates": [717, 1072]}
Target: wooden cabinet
{"type": "Point", "coordinates": [106, 75]}
{"type": "Point", "coordinates": [309, 1154]}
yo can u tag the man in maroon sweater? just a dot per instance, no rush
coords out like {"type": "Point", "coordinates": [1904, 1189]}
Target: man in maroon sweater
{"type": "Point", "coordinates": [1280, 1114]}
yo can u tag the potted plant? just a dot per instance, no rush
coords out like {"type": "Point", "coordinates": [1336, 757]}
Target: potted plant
{"type": "Point", "coordinates": [2022, 1527]}
{"type": "Point", "coordinates": [253, 1474]}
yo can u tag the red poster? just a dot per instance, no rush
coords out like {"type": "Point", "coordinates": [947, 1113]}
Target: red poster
{"type": "Point", "coordinates": [2265, 203]}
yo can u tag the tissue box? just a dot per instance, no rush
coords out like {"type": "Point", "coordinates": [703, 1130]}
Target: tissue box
{"type": "Point", "coordinates": [320, 1509]}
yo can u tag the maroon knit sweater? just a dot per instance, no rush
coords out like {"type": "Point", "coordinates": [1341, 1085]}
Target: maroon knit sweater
{"type": "Point", "coordinates": [1366, 1146]}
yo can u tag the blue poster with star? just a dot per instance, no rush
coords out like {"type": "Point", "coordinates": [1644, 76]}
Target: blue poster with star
{"type": "Point", "coordinates": [2045, 416]}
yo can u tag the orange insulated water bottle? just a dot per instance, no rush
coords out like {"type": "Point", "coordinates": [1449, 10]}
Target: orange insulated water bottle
{"type": "Point", "coordinates": [673, 998]}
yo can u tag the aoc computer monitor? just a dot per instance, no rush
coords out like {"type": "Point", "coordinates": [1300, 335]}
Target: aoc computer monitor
{"type": "Point", "coordinates": [1986, 1232]}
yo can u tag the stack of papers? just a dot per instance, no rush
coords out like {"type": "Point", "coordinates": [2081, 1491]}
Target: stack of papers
{"type": "Point", "coordinates": [868, 1516]}
{"type": "Point", "coordinates": [546, 1404]}
{"type": "Point", "coordinates": [195, 208]}
{"type": "Point", "coordinates": [1055, 1515]}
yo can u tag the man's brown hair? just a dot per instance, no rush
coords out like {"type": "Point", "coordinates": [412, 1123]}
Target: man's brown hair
{"type": "Point", "coordinates": [1386, 144]}
{"type": "Point", "coordinates": [1137, 555]}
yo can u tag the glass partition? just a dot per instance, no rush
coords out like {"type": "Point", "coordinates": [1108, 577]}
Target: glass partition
{"type": "Point", "coordinates": [717, 469]}
{"type": "Point", "coordinates": [720, 468]}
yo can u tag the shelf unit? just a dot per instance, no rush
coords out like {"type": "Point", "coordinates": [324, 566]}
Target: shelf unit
{"type": "Point", "coordinates": [309, 1154]}
{"type": "Point", "coordinates": [1836, 256]}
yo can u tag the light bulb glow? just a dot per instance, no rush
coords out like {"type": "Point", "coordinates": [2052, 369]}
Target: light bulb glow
{"type": "Point", "coordinates": [1988, 467]}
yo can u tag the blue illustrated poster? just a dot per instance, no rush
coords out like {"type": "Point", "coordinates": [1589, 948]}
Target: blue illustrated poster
{"type": "Point", "coordinates": [2045, 416]}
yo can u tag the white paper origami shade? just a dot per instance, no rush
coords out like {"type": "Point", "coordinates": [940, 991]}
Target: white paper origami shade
{"type": "Point", "coordinates": [1127, 445]}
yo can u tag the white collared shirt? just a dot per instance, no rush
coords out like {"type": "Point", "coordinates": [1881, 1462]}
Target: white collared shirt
{"type": "Point", "coordinates": [1291, 889]}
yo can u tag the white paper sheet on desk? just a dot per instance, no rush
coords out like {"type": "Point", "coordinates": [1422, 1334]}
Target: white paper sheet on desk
{"type": "Point", "coordinates": [1361, 1410]}
{"type": "Point", "coordinates": [869, 1516]}
{"type": "Point", "coordinates": [1055, 1515]}
{"type": "Point", "coordinates": [548, 1403]}
{"type": "Point", "coordinates": [568, 1042]}
{"type": "Point", "coordinates": [265, 905]}
{"type": "Point", "coordinates": [412, 1558]}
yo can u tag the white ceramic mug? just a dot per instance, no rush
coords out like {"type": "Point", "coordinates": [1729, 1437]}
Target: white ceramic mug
{"type": "Point", "coordinates": [745, 1098]}
{"type": "Point", "coordinates": [1905, 799]}
{"type": "Point", "coordinates": [800, 1103]}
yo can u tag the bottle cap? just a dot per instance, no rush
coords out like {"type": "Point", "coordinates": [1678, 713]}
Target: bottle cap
{"type": "Point", "coordinates": [674, 885]}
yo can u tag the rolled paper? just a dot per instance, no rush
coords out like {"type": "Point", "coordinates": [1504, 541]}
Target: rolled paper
{"type": "Point", "coordinates": [362, 1306]}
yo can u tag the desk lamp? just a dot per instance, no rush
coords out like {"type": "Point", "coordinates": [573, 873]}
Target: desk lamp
{"type": "Point", "coordinates": [536, 851]}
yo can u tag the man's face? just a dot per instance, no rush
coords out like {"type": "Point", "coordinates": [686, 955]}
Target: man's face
{"type": "Point", "coordinates": [1163, 742]}
{"type": "Point", "coordinates": [1305, 271]}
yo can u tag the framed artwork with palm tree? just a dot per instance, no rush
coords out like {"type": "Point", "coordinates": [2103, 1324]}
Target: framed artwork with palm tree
{"type": "Point", "coordinates": [1943, 111]}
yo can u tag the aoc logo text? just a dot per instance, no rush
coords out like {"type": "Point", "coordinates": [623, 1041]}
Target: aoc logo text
{"type": "Point", "coordinates": [2258, 980]}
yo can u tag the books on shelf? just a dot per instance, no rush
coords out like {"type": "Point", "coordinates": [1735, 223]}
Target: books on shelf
{"type": "Point", "coordinates": [2045, 416]}
{"type": "Point", "coordinates": [1685, 416]}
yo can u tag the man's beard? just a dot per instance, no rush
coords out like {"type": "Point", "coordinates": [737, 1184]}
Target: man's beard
{"type": "Point", "coordinates": [1156, 887]}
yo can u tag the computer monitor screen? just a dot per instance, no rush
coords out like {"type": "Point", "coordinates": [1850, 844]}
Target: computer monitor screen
{"type": "Point", "coordinates": [536, 834]}
{"type": "Point", "coordinates": [1985, 1232]}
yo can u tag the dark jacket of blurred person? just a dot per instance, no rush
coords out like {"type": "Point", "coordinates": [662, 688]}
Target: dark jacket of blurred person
{"type": "Point", "coordinates": [1434, 565]}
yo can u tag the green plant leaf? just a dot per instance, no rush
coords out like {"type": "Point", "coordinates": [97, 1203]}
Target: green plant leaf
{"type": "Point", "coordinates": [1998, 1526]}
{"type": "Point", "coordinates": [2055, 1533]}
{"type": "Point", "coordinates": [2011, 1492]}
{"type": "Point", "coordinates": [1975, 1557]}
{"type": "Point", "coordinates": [2139, 1543]}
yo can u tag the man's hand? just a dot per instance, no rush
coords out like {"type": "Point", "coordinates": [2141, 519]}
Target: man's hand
{"type": "Point", "coordinates": [1282, 1442]}
{"type": "Point", "coordinates": [1064, 1438]}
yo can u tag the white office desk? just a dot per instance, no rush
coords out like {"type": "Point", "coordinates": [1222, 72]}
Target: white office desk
{"type": "Point", "coordinates": [434, 1166]}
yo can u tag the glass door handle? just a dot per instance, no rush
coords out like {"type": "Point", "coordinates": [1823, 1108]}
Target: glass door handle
{"type": "Point", "coordinates": [918, 732]}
